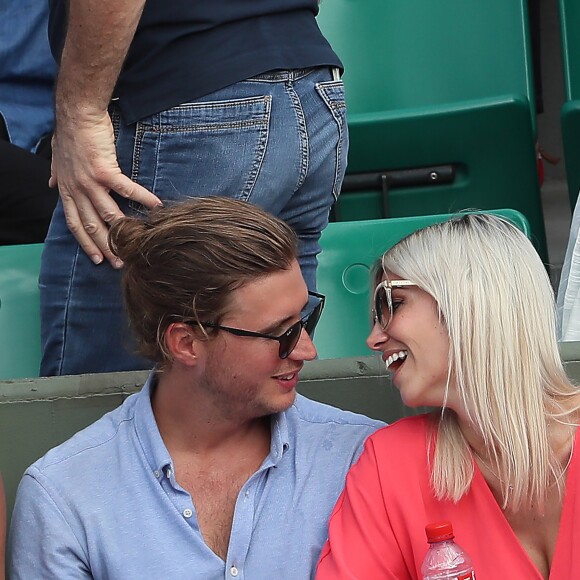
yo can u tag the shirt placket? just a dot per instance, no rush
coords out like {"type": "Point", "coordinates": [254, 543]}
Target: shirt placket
{"type": "Point", "coordinates": [180, 499]}
{"type": "Point", "coordinates": [243, 525]}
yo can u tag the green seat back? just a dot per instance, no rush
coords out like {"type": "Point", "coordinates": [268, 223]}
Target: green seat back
{"type": "Point", "coordinates": [570, 29]}
{"type": "Point", "coordinates": [438, 83]}
{"type": "Point", "coordinates": [19, 311]}
{"type": "Point", "coordinates": [349, 251]}
{"type": "Point", "coordinates": [570, 113]}
{"type": "Point", "coordinates": [416, 54]}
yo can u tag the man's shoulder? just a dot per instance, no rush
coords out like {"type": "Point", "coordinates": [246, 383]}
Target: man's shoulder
{"type": "Point", "coordinates": [86, 445]}
{"type": "Point", "coordinates": [326, 438]}
{"type": "Point", "coordinates": [313, 412]}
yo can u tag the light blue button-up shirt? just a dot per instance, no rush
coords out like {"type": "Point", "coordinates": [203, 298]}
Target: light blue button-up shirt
{"type": "Point", "coordinates": [106, 505]}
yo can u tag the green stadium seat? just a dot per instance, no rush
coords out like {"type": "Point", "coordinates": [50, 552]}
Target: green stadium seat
{"type": "Point", "coordinates": [570, 113]}
{"type": "Point", "coordinates": [19, 311]}
{"type": "Point", "coordinates": [349, 251]}
{"type": "Point", "coordinates": [441, 110]}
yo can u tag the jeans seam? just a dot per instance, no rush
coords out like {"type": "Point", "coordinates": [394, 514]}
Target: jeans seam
{"type": "Point", "coordinates": [136, 161]}
{"type": "Point", "coordinates": [209, 126]}
{"type": "Point", "coordinates": [302, 132]}
{"type": "Point", "coordinates": [66, 309]}
{"type": "Point", "coordinates": [137, 148]}
{"type": "Point", "coordinates": [334, 108]}
{"type": "Point", "coordinates": [115, 121]}
{"type": "Point", "coordinates": [221, 104]}
{"type": "Point", "coordinates": [261, 150]}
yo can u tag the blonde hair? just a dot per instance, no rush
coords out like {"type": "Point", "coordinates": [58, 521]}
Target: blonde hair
{"type": "Point", "coordinates": [496, 300]}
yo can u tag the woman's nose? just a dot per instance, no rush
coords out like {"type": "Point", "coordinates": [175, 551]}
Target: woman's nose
{"type": "Point", "coordinates": [377, 338]}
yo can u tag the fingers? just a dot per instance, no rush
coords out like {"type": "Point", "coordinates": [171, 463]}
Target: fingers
{"type": "Point", "coordinates": [99, 212]}
{"type": "Point", "coordinates": [135, 192]}
{"type": "Point", "coordinates": [90, 211]}
{"type": "Point", "coordinates": [88, 227]}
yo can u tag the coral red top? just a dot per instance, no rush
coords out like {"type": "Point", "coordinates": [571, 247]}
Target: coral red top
{"type": "Point", "coordinates": [377, 528]}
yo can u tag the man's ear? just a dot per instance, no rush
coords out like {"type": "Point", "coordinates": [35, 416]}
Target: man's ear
{"type": "Point", "coordinates": [183, 343]}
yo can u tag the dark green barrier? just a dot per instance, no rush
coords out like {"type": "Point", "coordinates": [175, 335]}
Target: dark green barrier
{"type": "Point", "coordinates": [37, 414]}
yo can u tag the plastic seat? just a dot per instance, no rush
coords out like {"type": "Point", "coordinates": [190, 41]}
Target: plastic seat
{"type": "Point", "coordinates": [440, 107]}
{"type": "Point", "coordinates": [570, 112]}
{"type": "Point", "coordinates": [19, 311]}
{"type": "Point", "coordinates": [349, 251]}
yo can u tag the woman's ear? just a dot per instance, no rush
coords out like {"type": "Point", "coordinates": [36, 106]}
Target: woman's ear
{"type": "Point", "coordinates": [183, 343]}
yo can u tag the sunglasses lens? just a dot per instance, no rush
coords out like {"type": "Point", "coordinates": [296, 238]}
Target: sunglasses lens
{"type": "Point", "coordinates": [382, 310]}
{"type": "Point", "coordinates": [290, 339]}
{"type": "Point", "coordinates": [313, 318]}
{"type": "Point", "coordinates": [377, 306]}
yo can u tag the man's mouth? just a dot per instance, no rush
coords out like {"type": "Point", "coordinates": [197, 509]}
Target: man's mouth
{"type": "Point", "coordinates": [289, 375]}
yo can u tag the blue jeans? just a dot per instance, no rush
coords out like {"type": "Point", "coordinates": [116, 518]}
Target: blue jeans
{"type": "Point", "coordinates": [278, 140]}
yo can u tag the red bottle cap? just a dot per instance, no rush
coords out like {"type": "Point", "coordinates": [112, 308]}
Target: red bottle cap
{"type": "Point", "coordinates": [439, 531]}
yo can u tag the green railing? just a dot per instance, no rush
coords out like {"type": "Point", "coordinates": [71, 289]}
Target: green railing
{"type": "Point", "coordinates": [37, 414]}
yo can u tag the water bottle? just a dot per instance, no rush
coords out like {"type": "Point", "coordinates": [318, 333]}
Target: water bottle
{"type": "Point", "coordinates": [445, 560]}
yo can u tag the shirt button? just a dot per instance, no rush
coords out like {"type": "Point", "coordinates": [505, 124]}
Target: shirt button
{"type": "Point", "coordinates": [234, 571]}
{"type": "Point", "coordinates": [187, 513]}
{"type": "Point", "coordinates": [156, 473]}
{"type": "Point", "coordinates": [168, 473]}
{"type": "Point", "coordinates": [247, 493]}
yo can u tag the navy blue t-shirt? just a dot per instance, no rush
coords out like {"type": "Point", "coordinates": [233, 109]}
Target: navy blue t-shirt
{"type": "Point", "coordinates": [185, 49]}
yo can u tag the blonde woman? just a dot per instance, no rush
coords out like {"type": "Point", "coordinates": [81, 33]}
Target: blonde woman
{"type": "Point", "coordinates": [464, 320]}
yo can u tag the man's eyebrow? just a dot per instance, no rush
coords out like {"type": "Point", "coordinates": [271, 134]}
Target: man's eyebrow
{"type": "Point", "coordinates": [284, 323]}
{"type": "Point", "coordinates": [281, 326]}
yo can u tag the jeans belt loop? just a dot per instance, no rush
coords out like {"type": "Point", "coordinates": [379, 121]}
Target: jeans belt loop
{"type": "Point", "coordinates": [335, 73]}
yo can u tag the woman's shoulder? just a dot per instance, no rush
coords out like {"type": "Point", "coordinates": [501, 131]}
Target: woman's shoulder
{"type": "Point", "coordinates": [397, 456]}
{"type": "Point", "coordinates": [402, 436]}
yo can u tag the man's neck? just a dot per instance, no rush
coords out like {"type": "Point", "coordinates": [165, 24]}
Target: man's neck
{"type": "Point", "coordinates": [188, 422]}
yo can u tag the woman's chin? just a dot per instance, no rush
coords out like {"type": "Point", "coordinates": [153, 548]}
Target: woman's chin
{"type": "Point", "coordinates": [409, 400]}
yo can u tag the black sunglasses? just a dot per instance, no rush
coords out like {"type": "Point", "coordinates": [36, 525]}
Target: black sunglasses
{"type": "Point", "coordinates": [288, 339]}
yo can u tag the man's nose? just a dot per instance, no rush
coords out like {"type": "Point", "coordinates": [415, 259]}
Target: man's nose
{"type": "Point", "coordinates": [305, 349]}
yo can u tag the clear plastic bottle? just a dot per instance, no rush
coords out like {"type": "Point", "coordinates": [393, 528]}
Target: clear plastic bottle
{"type": "Point", "coordinates": [445, 560]}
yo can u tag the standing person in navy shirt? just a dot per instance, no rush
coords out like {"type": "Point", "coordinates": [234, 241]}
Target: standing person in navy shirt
{"type": "Point", "coordinates": [27, 72]}
{"type": "Point", "coordinates": [158, 101]}
{"type": "Point", "coordinates": [216, 468]}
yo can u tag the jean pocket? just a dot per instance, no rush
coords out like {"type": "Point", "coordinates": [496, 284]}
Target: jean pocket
{"type": "Point", "coordinates": [203, 148]}
{"type": "Point", "coordinates": [332, 93]}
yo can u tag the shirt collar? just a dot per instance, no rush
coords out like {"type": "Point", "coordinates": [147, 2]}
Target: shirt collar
{"type": "Point", "coordinates": [280, 439]}
{"type": "Point", "coordinates": [147, 431]}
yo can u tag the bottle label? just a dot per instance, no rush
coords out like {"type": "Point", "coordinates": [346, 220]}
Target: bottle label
{"type": "Point", "coordinates": [466, 576]}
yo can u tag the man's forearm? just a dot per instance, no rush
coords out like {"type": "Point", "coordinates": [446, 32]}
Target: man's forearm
{"type": "Point", "coordinates": [98, 38]}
